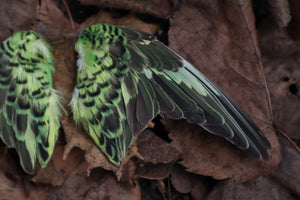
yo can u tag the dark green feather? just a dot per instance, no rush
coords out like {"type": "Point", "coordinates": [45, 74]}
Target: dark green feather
{"type": "Point", "coordinates": [139, 77]}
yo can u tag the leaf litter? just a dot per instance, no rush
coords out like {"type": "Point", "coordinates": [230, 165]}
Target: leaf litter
{"type": "Point", "coordinates": [220, 44]}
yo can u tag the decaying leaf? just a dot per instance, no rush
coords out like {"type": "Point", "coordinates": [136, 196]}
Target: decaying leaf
{"type": "Point", "coordinates": [93, 156]}
{"type": "Point", "coordinates": [155, 150]}
{"type": "Point", "coordinates": [210, 155]}
{"type": "Point", "coordinates": [262, 188]}
{"type": "Point", "coordinates": [281, 61]}
{"type": "Point", "coordinates": [186, 182]}
{"type": "Point", "coordinates": [287, 174]}
{"type": "Point", "coordinates": [154, 172]}
{"type": "Point", "coordinates": [157, 8]}
{"type": "Point", "coordinates": [224, 47]}
{"type": "Point", "coordinates": [17, 16]}
{"type": "Point", "coordinates": [48, 175]}
{"type": "Point", "coordinates": [280, 10]}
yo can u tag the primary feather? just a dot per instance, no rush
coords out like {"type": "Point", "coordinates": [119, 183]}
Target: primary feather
{"type": "Point", "coordinates": [29, 106]}
{"type": "Point", "coordinates": [126, 77]}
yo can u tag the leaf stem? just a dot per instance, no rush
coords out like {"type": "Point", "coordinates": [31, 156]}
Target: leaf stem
{"type": "Point", "coordinates": [69, 14]}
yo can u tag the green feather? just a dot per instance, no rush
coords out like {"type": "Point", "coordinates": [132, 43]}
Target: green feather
{"type": "Point", "coordinates": [126, 77]}
{"type": "Point", "coordinates": [30, 107]}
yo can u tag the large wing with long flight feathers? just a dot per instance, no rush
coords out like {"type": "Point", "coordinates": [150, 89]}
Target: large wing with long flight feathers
{"type": "Point", "coordinates": [126, 77]}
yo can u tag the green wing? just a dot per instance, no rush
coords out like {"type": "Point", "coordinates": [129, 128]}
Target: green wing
{"type": "Point", "coordinates": [126, 77]}
{"type": "Point", "coordinates": [29, 106]}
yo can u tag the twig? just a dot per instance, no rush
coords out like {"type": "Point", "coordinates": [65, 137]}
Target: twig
{"type": "Point", "coordinates": [289, 139]}
{"type": "Point", "coordinates": [69, 14]}
{"type": "Point", "coordinates": [267, 90]}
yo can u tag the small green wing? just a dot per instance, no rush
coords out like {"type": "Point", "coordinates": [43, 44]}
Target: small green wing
{"type": "Point", "coordinates": [29, 106]}
{"type": "Point", "coordinates": [126, 77]}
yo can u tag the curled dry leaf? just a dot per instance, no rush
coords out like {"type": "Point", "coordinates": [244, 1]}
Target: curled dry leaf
{"type": "Point", "coordinates": [108, 188]}
{"type": "Point", "coordinates": [224, 47]}
{"type": "Point", "coordinates": [128, 175]}
{"type": "Point", "coordinates": [186, 182]}
{"type": "Point", "coordinates": [100, 185]}
{"type": "Point", "coordinates": [154, 172]}
{"type": "Point", "coordinates": [93, 156]}
{"type": "Point", "coordinates": [48, 175]}
{"type": "Point", "coordinates": [158, 8]}
{"type": "Point", "coordinates": [17, 16]}
{"type": "Point", "coordinates": [155, 150]}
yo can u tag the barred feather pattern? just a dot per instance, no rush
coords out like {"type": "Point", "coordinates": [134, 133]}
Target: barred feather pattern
{"type": "Point", "coordinates": [29, 106]}
{"type": "Point", "coordinates": [126, 77]}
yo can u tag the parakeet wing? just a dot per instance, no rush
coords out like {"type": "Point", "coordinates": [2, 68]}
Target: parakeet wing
{"type": "Point", "coordinates": [126, 77]}
{"type": "Point", "coordinates": [29, 106]}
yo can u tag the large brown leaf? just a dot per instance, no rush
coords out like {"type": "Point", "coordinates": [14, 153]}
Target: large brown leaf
{"type": "Point", "coordinates": [158, 8]}
{"type": "Point", "coordinates": [219, 38]}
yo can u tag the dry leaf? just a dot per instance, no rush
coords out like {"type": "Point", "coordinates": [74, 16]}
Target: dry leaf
{"type": "Point", "coordinates": [52, 21]}
{"type": "Point", "coordinates": [154, 172]}
{"type": "Point", "coordinates": [287, 173]}
{"type": "Point", "coordinates": [48, 175]}
{"type": "Point", "coordinates": [155, 150]}
{"type": "Point", "coordinates": [129, 20]}
{"type": "Point", "coordinates": [109, 188]}
{"type": "Point", "coordinates": [17, 16]}
{"type": "Point", "coordinates": [93, 155]}
{"type": "Point", "coordinates": [262, 188]}
{"type": "Point", "coordinates": [281, 58]}
{"type": "Point", "coordinates": [210, 155]}
{"type": "Point", "coordinates": [280, 11]}
{"type": "Point", "coordinates": [157, 8]}
{"type": "Point", "coordinates": [219, 39]}
{"type": "Point", "coordinates": [186, 182]}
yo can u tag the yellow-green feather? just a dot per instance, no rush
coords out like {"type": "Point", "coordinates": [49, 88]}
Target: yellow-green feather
{"type": "Point", "coordinates": [30, 107]}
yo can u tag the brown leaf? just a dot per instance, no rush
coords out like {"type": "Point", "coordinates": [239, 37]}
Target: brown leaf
{"type": "Point", "coordinates": [157, 8]}
{"type": "Point", "coordinates": [17, 16]}
{"type": "Point", "coordinates": [280, 11]}
{"type": "Point", "coordinates": [287, 174]}
{"type": "Point", "coordinates": [281, 58]}
{"type": "Point", "coordinates": [100, 185]}
{"type": "Point", "coordinates": [210, 155]}
{"type": "Point", "coordinates": [154, 172]}
{"type": "Point", "coordinates": [48, 175]}
{"type": "Point", "coordinates": [155, 150]}
{"type": "Point", "coordinates": [108, 187]}
{"type": "Point", "coordinates": [128, 173]}
{"type": "Point", "coordinates": [219, 38]}
{"type": "Point", "coordinates": [9, 189]}
{"type": "Point", "coordinates": [262, 188]}
{"type": "Point", "coordinates": [53, 24]}
{"type": "Point", "coordinates": [93, 155]}
{"type": "Point", "coordinates": [129, 20]}
{"type": "Point", "coordinates": [186, 182]}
